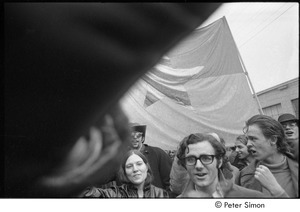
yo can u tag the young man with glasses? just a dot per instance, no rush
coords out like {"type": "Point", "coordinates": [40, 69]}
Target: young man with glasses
{"type": "Point", "coordinates": [203, 156]}
{"type": "Point", "coordinates": [291, 129]}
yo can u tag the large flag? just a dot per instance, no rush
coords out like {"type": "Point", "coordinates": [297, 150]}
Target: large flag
{"type": "Point", "coordinates": [199, 86]}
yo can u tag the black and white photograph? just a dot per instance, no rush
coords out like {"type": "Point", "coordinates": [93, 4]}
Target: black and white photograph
{"type": "Point", "coordinates": [169, 104]}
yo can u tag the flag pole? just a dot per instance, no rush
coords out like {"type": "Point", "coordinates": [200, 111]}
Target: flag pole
{"type": "Point", "coordinates": [245, 71]}
{"type": "Point", "coordinates": [252, 88]}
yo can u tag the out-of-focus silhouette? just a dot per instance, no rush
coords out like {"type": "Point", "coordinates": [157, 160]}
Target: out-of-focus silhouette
{"type": "Point", "coordinates": [66, 67]}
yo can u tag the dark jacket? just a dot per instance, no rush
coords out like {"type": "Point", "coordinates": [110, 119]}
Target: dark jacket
{"type": "Point", "coordinates": [239, 163]}
{"type": "Point", "coordinates": [246, 177]}
{"type": "Point", "coordinates": [125, 191]}
{"type": "Point", "coordinates": [228, 188]}
{"type": "Point", "coordinates": [160, 164]}
{"type": "Point", "coordinates": [294, 146]}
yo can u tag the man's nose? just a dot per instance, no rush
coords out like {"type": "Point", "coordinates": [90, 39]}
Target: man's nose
{"type": "Point", "coordinates": [198, 164]}
{"type": "Point", "coordinates": [287, 127]}
{"type": "Point", "coordinates": [249, 144]}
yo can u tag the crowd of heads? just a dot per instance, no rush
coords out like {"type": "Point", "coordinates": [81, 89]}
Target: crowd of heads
{"type": "Point", "coordinates": [205, 155]}
{"type": "Point", "coordinates": [264, 139]}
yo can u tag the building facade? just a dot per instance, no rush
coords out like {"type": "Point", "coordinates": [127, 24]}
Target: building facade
{"type": "Point", "coordinates": [282, 98]}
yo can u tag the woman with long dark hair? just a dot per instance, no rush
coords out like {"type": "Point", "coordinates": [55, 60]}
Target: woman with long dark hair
{"type": "Point", "coordinates": [136, 176]}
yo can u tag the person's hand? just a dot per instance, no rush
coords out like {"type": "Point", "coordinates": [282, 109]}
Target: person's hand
{"type": "Point", "coordinates": [95, 158]}
{"type": "Point", "coordinates": [267, 180]}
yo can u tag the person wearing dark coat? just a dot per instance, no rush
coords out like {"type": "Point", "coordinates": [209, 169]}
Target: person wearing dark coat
{"type": "Point", "coordinates": [243, 158]}
{"type": "Point", "coordinates": [290, 125]}
{"type": "Point", "coordinates": [159, 161]}
{"type": "Point", "coordinates": [272, 172]}
{"type": "Point", "coordinates": [135, 175]}
{"type": "Point", "coordinates": [245, 177]}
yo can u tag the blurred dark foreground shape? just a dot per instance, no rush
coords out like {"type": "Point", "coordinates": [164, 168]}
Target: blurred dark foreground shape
{"type": "Point", "coordinates": [66, 67]}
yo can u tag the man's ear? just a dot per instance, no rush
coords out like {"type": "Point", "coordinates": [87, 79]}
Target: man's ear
{"type": "Point", "coordinates": [273, 140]}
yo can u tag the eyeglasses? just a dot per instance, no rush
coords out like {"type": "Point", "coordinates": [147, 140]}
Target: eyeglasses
{"type": "Point", "coordinates": [290, 124]}
{"type": "Point", "coordinates": [136, 135]}
{"type": "Point", "coordinates": [204, 159]}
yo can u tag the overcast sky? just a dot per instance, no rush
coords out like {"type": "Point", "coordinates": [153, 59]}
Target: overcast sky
{"type": "Point", "coordinates": [267, 36]}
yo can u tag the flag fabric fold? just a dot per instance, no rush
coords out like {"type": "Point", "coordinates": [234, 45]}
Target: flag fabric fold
{"type": "Point", "coordinates": [199, 86]}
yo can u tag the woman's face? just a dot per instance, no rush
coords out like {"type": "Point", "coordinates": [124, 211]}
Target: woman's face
{"type": "Point", "coordinates": [241, 149]}
{"type": "Point", "coordinates": [136, 170]}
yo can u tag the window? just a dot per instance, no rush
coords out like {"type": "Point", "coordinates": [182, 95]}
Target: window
{"type": "Point", "coordinates": [274, 111]}
{"type": "Point", "coordinates": [295, 103]}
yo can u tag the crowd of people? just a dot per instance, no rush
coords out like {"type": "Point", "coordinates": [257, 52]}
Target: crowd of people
{"type": "Point", "coordinates": [265, 165]}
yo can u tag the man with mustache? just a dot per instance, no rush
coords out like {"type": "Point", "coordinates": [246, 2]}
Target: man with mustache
{"type": "Point", "coordinates": [273, 170]}
{"type": "Point", "coordinates": [290, 125]}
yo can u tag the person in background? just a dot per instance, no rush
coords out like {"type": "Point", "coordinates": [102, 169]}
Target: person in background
{"type": "Point", "coordinates": [159, 161]}
{"type": "Point", "coordinates": [290, 125]}
{"type": "Point", "coordinates": [243, 157]}
{"type": "Point", "coordinates": [275, 172]}
{"type": "Point", "coordinates": [172, 154]}
{"type": "Point", "coordinates": [203, 157]}
{"type": "Point", "coordinates": [135, 175]}
{"type": "Point", "coordinates": [232, 154]}
{"type": "Point", "coordinates": [179, 176]}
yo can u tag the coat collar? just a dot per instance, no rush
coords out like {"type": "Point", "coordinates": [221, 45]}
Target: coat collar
{"type": "Point", "coordinates": [130, 186]}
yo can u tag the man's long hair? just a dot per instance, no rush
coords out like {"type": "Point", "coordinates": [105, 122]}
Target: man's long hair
{"type": "Point", "coordinates": [270, 129]}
